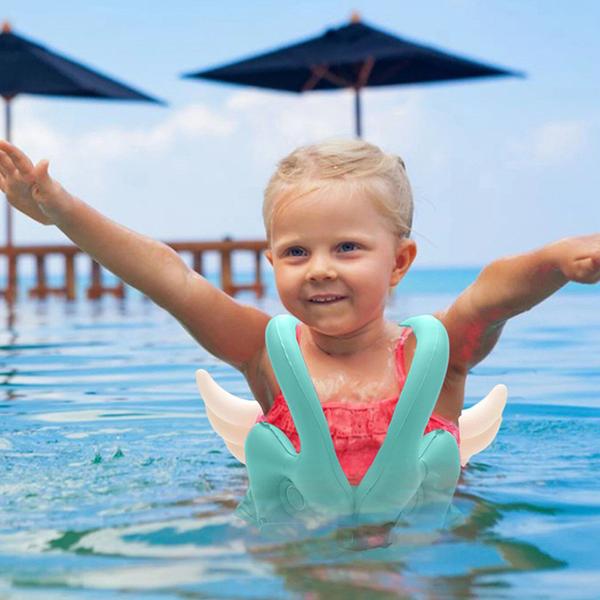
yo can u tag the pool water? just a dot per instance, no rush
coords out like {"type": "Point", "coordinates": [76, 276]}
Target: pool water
{"type": "Point", "coordinates": [112, 483]}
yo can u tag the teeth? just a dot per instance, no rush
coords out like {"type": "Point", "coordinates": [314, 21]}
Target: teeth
{"type": "Point", "coordinates": [326, 299]}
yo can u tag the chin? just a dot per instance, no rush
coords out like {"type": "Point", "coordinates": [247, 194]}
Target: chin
{"type": "Point", "coordinates": [331, 327]}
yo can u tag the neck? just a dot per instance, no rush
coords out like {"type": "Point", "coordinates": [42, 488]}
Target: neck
{"type": "Point", "coordinates": [360, 340]}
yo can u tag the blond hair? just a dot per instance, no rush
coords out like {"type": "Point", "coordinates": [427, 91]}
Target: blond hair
{"type": "Point", "coordinates": [379, 176]}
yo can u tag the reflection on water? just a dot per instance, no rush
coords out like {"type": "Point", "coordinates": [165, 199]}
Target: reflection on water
{"type": "Point", "coordinates": [111, 480]}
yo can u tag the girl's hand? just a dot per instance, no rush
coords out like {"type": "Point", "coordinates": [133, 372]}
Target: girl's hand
{"type": "Point", "coordinates": [579, 258]}
{"type": "Point", "coordinates": [30, 188]}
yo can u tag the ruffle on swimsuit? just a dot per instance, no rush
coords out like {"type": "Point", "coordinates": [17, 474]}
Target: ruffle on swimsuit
{"type": "Point", "coordinates": [357, 429]}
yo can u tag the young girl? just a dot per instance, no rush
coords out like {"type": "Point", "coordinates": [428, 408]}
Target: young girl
{"type": "Point", "coordinates": [338, 218]}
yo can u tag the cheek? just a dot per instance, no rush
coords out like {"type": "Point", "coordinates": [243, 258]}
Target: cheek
{"type": "Point", "coordinates": [285, 281]}
{"type": "Point", "coordinates": [373, 273]}
{"type": "Point", "coordinates": [280, 282]}
{"type": "Point", "coordinates": [373, 282]}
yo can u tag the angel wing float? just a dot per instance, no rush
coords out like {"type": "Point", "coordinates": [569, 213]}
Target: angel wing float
{"type": "Point", "coordinates": [232, 418]}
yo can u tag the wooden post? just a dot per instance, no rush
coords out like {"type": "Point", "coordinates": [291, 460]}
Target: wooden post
{"type": "Point", "coordinates": [198, 266]}
{"type": "Point", "coordinates": [226, 281]}
{"type": "Point", "coordinates": [40, 290]}
{"type": "Point", "coordinates": [259, 287]}
{"type": "Point", "coordinates": [11, 289]}
{"type": "Point", "coordinates": [97, 290]}
{"type": "Point", "coordinates": [70, 276]}
{"type": "Point", "coordinates": [94, 290]}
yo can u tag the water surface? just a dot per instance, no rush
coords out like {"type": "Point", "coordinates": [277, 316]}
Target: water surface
{"type": "Point", "coordinates": [113, 484]}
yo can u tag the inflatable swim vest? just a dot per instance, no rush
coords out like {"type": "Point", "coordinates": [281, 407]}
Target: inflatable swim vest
{"type": "Point", "coordinates": [411, 470]}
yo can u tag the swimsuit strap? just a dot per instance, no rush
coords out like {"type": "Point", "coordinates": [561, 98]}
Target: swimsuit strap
{"type": "Point", "coordinates": [425, 378]}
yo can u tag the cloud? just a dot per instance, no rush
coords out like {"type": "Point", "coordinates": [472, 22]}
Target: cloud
{"type": "Point", "coordinates": [189, 122]}
{"type": "Point", "coordinates": [250, 98]}
{"type": "Point", "coordinates": [198, 172]}
{"type": "Point", "coordinates": [36, 133]}
{"type": "Point", "coordinates": [270, 125]}
{"type": "Point", "coordinates": [561, 141]}
{"type": "Point", "coordinates": [555, 143]}
{"type": "Point", "coordinates": [264, 124]}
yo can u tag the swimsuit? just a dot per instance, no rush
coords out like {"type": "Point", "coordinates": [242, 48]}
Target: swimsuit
{"type": "Point", "coordinates": [357, 429]}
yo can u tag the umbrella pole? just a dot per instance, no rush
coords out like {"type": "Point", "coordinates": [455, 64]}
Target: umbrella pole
{"type": "Point", "coordinates": [357, 111]}
{"type": "Point", "coordinates": [11, 288]}
{"type": "Point", "coordinates": [7, 136]}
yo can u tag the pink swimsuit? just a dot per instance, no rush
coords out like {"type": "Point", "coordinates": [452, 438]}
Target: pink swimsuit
{"type": "Point", "coordinates": [357, 429]}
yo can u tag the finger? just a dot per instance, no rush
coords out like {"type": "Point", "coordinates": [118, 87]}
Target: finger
{"type": "Point", "coordinates": [7, 166]}
{"type": "Point", "coordinates": [2, 183]}
{"type": "Point", "coordinates": [20, 159]}
{"type": "Point", "coordinates": [42, 178]}
{"type": "Point", "coordinates": [591, 278]}
{"type": "Point", "coordinates": [4, 148]}
{"type": "Point", "coordinates": [586, 270]}
{"type": "Point", "coordinates": [41, 170]}
{"type": "Point", "coordinates": [583, 267]}
{"type": "Point", "coordinates": [596, 267]}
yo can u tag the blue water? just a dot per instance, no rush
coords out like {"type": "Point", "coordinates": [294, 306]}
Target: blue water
{"type": "Point", "coordinates": [112, 483]}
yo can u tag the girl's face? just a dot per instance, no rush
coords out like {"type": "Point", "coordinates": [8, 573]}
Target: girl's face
{"type": "Point", "coordinates": [335, 259]}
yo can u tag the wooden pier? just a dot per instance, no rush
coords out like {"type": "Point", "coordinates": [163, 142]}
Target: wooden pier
{"type": "Point", "coordinates": [96, 288]}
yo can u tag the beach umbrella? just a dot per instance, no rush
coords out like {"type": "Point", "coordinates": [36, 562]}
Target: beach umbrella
{"type": "Point", "coordinates": [26, 67]}
{"type": "Point", "coordinates": [353, 56]}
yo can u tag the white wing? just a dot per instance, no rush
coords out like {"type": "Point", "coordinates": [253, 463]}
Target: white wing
{"type": "Point", "coordinates": [479, 424]}
{"type": "Point", "coordinates": [232, 418]}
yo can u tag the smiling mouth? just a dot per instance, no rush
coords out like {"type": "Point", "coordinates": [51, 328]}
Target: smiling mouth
{"type": "Point", "coordinates": [326, 299]}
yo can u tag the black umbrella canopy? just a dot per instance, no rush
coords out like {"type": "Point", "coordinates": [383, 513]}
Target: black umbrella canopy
{"type": "Point", "coordinates": [27, 67]}
{"type": "Point", "coordinates": [355, 56]}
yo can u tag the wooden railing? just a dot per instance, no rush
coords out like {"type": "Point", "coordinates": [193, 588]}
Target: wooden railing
{"type": "Point", "coordinates": [96, 288]}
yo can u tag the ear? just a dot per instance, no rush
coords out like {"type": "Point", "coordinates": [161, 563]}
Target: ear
{"type": "Point", "coordinates": [406, 251]}
{"type": "Point", "coordinates": [269, 256]}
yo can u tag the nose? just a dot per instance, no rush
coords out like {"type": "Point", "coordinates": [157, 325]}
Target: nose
{"type": "Point", "coordinates": [320, 269]}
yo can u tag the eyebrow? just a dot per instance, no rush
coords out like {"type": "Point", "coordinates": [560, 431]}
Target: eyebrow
{"type": "Point", "coordinates": [286, 243]}
{"type": "Point", "coordinates": [342, 237]}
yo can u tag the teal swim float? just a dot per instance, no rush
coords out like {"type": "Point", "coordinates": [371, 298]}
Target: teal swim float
{"type": "Point", "coordinates": [411, 472]}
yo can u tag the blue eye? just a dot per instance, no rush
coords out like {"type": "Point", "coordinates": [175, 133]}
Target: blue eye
{"type": "Point", "coordinates": [294, 251]}
{"type": "Point", "coordinates": [348, 246]}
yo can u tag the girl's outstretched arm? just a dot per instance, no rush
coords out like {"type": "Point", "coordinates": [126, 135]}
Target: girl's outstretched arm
{"type": "Point", "coordinates": [510, 286]}
{"type": "Point", "coordinates": [227, 329]}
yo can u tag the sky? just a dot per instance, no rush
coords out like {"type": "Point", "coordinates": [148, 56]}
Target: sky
{"type": "Point", "coordinates": [498, 166]}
